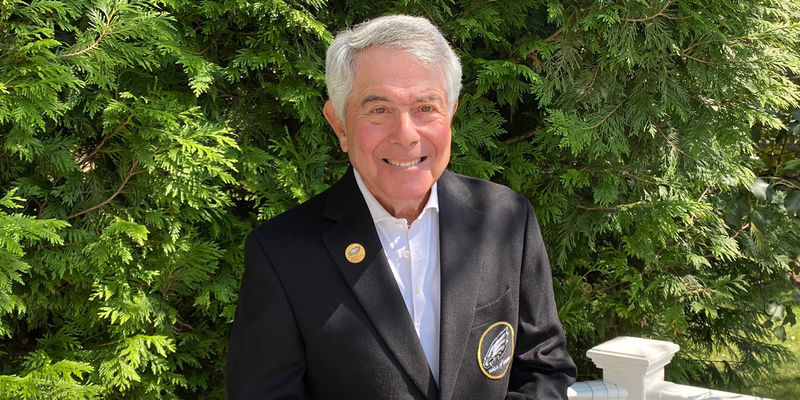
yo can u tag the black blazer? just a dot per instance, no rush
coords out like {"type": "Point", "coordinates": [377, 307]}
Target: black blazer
{"type": "Point", "coordinates": [312, 325]}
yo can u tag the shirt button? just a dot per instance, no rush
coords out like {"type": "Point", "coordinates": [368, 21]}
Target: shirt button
{"type": "Point", "coordinates": [418, 289]}
{"type": "Point", "coordinates": [406, 254]}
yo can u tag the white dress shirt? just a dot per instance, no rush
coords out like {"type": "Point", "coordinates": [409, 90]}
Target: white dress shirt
{"type": "Point", "coordinates": [413, 255]}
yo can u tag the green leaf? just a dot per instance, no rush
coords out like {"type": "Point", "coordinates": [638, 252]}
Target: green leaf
{"type": "Point", "coordinates": [790, 318]}
{"type": "Point", "coordinates": [792, 202]}
{"type": "Point", "coordinates": [794, 128]}
{"type": "Point", "coordinates": [791, 166]}
{"type": "Point", "coordinates": [780, 333]}
{"type": "Point", "coordinates": [759, 218]}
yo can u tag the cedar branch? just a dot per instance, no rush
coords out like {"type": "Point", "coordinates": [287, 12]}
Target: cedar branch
{"type": "Point", "coordinates": [658, 14]}
{"type": "Point", "coordinates": [520, 138]}
{"type": "Point", "coordinates": [201, 52]}
{"type": "Point", "coordinates": [607, 116]}
{"type": "Point", "coordinates": [532, 55]}
{"type": "Point", "coordinates": [41, 207]}
{"type": "Point", "coordinates": [116, 131]}
{"type": "Point", "coordinates": [184, 324]}
{"type": "Point", "coordinates": [97, 41]}
{"type": "Point", "coordinates": [728, 39]}
{"type": "Point", "coordinates": [554, 35]}
{"type": "Point", "coordinates": [638, 178]}
{"type": "Point", "coordinates": [739, 232]}
{"type": "Point", "coordinates": [703, 196]}
{"type": "Point", "coordinates": [591, 84]}
{"type": "Point", "coordinates": [612, 208]}
{"type": "Point", "coordinates": [757, 35]}
{"type": "Point", "coordinates": [674, 146]}
{"type": "Point", "coordinates": [117, 192]}
{"type": "Point", "coordinates": [213, 42]}
{"type": "Point", "coordinates": [697, 59]}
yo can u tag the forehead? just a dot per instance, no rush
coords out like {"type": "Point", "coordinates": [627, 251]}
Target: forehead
{"type": "Point", "coordinates": [380, 69]}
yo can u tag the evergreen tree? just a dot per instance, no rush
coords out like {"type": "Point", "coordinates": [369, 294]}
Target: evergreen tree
{"type": "Point", "coordinates": [140, 141]}
{"type": "Point", "coordinates": [102, 132]}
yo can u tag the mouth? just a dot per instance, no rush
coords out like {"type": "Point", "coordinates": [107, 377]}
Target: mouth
{"type": "Point", "coordinates": [405, 163]}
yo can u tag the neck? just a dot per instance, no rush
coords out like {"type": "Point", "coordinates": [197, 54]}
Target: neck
{"type": "Point", "coordinates": [409, 210]}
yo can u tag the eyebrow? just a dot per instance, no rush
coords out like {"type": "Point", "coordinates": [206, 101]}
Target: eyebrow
{"type": "Point", "coordinates": [421, 99]}
{"type": "Point", "coordinates": [428, 98]}
{"type": "Point", "coordinates": [372, 98]}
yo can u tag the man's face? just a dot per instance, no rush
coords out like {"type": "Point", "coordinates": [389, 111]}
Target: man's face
{"type": "Point", "coordinates": [397, 133]}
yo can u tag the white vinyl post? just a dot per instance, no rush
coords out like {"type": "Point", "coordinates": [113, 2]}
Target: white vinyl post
{"type": "Point", "coordinates": [633, 363]}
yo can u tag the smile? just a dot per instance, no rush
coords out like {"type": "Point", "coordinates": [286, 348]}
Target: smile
{"type": "Point", "coordinates": [404, 164]}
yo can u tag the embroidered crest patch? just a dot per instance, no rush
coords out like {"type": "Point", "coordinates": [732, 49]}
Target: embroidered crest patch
{"type": "Point", "coordinates": [495, 350]}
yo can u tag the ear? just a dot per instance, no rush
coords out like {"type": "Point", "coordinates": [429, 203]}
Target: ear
{"type": "Point", "coordinates": [455, 107]}
{"type": "Point", "coordinates": [336, 124]}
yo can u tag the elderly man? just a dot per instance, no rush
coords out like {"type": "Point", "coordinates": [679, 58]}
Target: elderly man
{"type": "Point", "coordinates": [403, 280]}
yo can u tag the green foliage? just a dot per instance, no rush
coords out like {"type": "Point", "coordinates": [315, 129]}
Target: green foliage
{"type": "Point", "coordinates": [785, 383]}
{"type": "Point", "coordinates": [140, 141]}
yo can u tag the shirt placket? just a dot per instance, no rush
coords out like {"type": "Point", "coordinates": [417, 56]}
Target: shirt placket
{"type": "Point", "coordinates": [402, 260]}
{"type": "Point", "coordinates": [417, 264]}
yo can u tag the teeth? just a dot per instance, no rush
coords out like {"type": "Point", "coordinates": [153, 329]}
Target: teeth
{"type": "Point", "coordinates": [405, 164]}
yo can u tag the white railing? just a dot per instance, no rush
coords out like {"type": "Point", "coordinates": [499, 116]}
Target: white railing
{"type": "Point", "coordinates": [633, 369]}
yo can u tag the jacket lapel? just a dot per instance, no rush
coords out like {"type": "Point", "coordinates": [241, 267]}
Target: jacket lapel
{"type": "Point", "coordinates": [460, 275]}
{"type": "Point", "coordinates": [371, 280]}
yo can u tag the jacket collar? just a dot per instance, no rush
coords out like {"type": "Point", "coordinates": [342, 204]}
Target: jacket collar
{"type": "Point", "coordinates": [371, 279]}
{"type": "Point", "coordinates": [372, 282]}
{"type": "Point", "coordinates": [460, 230]}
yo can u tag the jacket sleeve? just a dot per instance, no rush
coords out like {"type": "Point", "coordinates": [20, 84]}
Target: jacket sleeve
{"type": "Point", "coordinates": [542, 367]}
{"type": "Point", "coordinates": [266, 358]}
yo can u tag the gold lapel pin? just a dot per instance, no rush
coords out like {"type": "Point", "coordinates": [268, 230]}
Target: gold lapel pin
{"type": "Point", "coordinates": [355, 253]}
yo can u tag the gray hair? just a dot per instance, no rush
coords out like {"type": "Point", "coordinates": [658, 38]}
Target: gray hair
{"type": "Point", "coordinates": [414, 35]}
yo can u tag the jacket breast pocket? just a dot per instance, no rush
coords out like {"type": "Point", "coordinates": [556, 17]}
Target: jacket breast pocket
{"type": "Point", "coordinates": [498, 309]}
{"type": "Point", "coordinates": [491, 347]}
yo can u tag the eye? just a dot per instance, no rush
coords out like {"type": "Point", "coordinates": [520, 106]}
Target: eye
{"type": "Point", "coordinates": [379, 110]}
{"type": "Point", "coordinates": [426, 108]}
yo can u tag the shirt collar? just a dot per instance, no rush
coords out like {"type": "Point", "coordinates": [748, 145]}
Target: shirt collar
{"type": "Point", "coordinates": [379, 214]}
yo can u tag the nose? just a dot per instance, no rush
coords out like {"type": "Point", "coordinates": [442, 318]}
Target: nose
{"type": "Point", "coordinates": [405, 132]}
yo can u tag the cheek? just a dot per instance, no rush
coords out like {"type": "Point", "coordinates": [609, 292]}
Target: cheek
{"type": "Point", "coordinates": [366, 141]}
{"type": "Point", "coordinates": [442, 140]}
